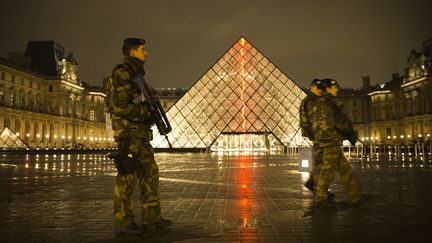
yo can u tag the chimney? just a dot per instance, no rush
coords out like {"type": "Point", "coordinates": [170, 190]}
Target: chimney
{"type": "Point", "coordinates": [366, 82]}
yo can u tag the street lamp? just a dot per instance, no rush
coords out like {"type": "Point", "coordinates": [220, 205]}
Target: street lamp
{"type": "Point", "coordinates": [55, 141]}
{"type": "Point", "coordinates": [63, 138]}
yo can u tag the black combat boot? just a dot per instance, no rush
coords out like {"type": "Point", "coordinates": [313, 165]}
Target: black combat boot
{"type": "Point", "coordinates": [161, 224]}
{"type": "Point", "coordinates": [131, 229]}
{"type": "Point", "coordinates": [310, 184]}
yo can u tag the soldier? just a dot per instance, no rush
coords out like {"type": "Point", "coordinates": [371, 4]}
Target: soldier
{"type": "Point", "coordinates": [135, 159]}
{"type": "Point", "coordinates": [307, 110]}
{"type": "Point", "coordinates": [331, 127]}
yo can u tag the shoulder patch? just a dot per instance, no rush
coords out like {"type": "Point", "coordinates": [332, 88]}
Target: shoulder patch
{"type": "Point", "coordinates": [121, 73]}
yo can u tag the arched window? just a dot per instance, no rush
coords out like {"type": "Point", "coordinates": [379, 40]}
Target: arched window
{"type": "Point", "coordinates": [44, 132]}
{"type": "Point", "coordinates": [51, 133]}
{"type": "Point", "coordinates": [27, 130]}
{"type": "Point", "coordinates": [36, 130]}
{"type": "Point", "coordinates": [17, 129]}
{"type": "Point", "coordinates": [2, 97]}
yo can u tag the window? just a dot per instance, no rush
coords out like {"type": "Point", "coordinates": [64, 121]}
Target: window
{"type": "Point", "coordinates": [50, 88]}
{"type": "Point", "coordinates": [22, 102]}
{"type": "Point", "coordinates": [2, 98]}
{"type": "Point", "coordinates": [12, 99]}
{"type": "Point", "coordinates": [92, 115]}
{"type": "Point", "coordinates": [92, 98]}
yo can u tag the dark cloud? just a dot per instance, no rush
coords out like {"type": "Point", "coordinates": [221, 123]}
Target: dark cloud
{"type": "Point", "coordinates": [306, 39]}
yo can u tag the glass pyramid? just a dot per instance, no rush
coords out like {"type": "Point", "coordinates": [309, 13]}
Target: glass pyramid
{"type": "Point", "coordinates": [9, 140]}
{"type": "Point", "coordinates": [242, 101]}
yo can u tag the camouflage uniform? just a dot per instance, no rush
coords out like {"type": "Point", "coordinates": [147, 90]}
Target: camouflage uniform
{"type": "Point", "coordinates": [132, 133]}
{"type": "Point", "coordinates": [331, 127]}
{"type": "Point", "coordinates": [308, 113]}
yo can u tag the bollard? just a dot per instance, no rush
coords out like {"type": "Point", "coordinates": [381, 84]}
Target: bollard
{"type": "Point", "coordinates": [305, 158]}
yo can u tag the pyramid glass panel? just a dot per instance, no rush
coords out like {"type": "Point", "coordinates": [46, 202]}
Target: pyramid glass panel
{"type": "Point", "coordinates": [242, 102]}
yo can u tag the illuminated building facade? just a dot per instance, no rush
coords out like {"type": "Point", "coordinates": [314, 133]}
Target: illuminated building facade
{"type": "Point", "coordinates": [401, 109]}
{"type": "Point", "coordinates": [398, 111]}
{"type": "Point", "coordinates": [243, 102]}
{"type": "Point", "coordinates": [44, 102]}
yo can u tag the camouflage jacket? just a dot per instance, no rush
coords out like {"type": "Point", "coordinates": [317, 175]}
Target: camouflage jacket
{"type": "Point", "coordinates": [330, 125]}
{"type": "Point", "coordinates": [121, 90]}
{"type": "Point", "coordinates": [308, 110]}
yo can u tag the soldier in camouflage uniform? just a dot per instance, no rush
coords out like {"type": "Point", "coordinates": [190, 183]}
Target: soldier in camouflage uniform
{"type": "Point", "coordinates": [307, 112]}
{"type": "Point", "coordinates": [331, 126]}
{"type": "Point", "coordinates": [135, 159]}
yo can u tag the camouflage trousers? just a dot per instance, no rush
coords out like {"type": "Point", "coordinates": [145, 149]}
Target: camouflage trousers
{"type": "Point", "coordinates": [317, 162]}
{"type": "Point", "coordinates": [334, 161]}
{"type": "Point", "coordinates": [147, 176]}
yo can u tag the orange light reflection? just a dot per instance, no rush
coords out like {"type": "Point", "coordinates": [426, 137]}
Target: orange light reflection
{"type": "Point", "coordinates": [246, 194]}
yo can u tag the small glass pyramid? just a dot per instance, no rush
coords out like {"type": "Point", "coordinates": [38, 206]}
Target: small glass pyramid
{"type": "Point", "coordinates": [9, 140]}
{"type": "Point", "coordinates": [243, 102]}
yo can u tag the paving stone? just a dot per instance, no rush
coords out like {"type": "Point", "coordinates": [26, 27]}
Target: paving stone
{"type": "Point", "coordinates": [211, 198]}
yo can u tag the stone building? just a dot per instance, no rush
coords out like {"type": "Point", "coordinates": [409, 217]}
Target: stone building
{"type": "Point", "coordinates": [46, 104]}
{"type": "Point", "coordinates": [356, 104]}
{"type": "Point", "coordinates": [398, 111]}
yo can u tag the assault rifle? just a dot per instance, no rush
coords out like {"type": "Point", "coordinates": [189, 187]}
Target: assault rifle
{"type": "Point", "coordinates": [156, 110]}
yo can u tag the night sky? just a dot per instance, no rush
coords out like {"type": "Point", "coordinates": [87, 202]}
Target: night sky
{"type": "Point", "coordinates": [341, 39]}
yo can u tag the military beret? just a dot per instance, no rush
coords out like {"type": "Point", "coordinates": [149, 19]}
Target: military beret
{"type": "Point", "coordinates": [315, 81]}
{"type": "Point", "coordinates": [318, 83]}
{"type": "Point", "coordinates": [328, 82]}
{"type": "Point", "coordinates": [133, 41]}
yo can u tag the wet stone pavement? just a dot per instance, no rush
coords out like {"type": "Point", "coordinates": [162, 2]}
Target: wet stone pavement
{"type": "Point", "coordinates": [213, 198]}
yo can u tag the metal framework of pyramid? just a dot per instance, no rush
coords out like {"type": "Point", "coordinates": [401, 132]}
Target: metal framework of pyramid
{"type": "Point", "coordinates": [9, 140]}
{"type": "Point", "coordinates": [242, 101]}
